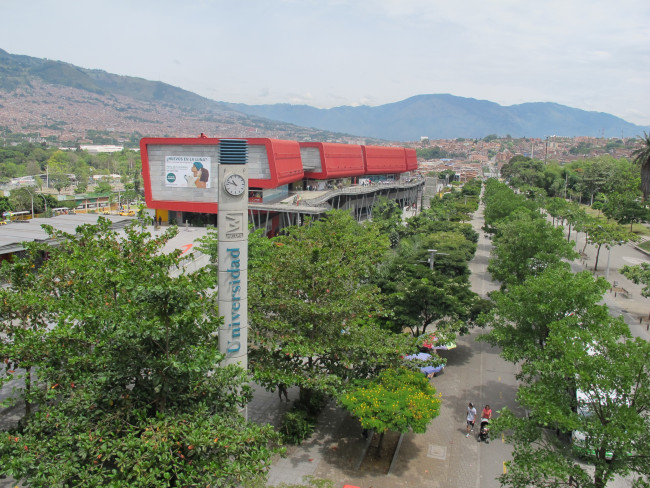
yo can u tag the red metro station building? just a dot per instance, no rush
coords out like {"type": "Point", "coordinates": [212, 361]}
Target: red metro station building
{"type": "Point", "coordinates": [287, 180]}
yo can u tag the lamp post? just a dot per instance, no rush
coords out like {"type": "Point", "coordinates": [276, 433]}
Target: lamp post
{"type": "Point", "coordinates": [32, 196]}
{"type": "Point", "coordinates": [432, 255]}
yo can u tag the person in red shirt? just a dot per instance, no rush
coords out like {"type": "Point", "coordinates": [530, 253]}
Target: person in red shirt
{"type": "Point", "coordinates": [486, 413]}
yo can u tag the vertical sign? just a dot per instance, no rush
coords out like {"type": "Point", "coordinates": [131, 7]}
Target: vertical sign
{"type": "Point", "coordinates": [233, 251]}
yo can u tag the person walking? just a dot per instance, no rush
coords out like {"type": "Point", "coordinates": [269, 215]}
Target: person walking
{"type": "Point", "coordinates": [471, 418]}
{"type": "Point", "coordinates": [282, 390]}
{"type": "Point", "coordinates": [486, 413]}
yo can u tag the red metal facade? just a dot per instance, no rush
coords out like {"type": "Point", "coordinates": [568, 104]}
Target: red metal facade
{"type": "Point", "coordinates": [183, 206]}
{"type": "Point", "coordinates": [411, 159]}
{"type": "Point", "coordinates": [380, 160]}
{"type": "Point", "coordinates": [337, 160]}
{"type": "Point", "coordinates": [285, 163]}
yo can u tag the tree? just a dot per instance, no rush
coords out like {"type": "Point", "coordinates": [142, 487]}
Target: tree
{"type": "Point", "coordinates": [25, 315]}
{"type": "Point", "coordinates": [605, 234]}
{"type": "Point", "coordinates": [557, 208]}
{"type": "Point", "coordinates": [526, 244]}
{"type": "Point", "coordinates": [626, 208]}
{"type": "Point", "coordinates": [103, 187]}
{"type": "Point", "coordinates": [424, 223]}
{"type": "Point", "coordinates": [134, 394]}
{"type": "Point", "coordinates": [418, 296]}
{"type": "Point", "coordinates": [595, 175]}
{"type": "Point", "coordinates": [58, 169]}
{"type": "Point", "coordinates": [642, 159]}
{"type": "Point", "coordinates": [397, 400]}
{"type": "Point", "coordinates": [312, 307]}
{"type": "Point", "coordinates": [522, 170]}
{"type": "Point", "coordinates": [387, 215]}
{"type": "Point", "coordinates": [624, 177]}
{"type": "Point", "coordinates": [501, 201]}
{"type": "Point", "coordinates": [21, 200]}
{"type": "Point", "coordinates": [639, 274]}
{"type": "Point", "coordinates": [575, 215]}
{"type": "Point", "coordinates": [593, 381]}
{"type": "Point", "coordinates": [59, 181]}
{"type": "Point", "coordinates": [521, 319]}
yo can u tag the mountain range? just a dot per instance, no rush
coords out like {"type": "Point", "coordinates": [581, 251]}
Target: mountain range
{"type": "Point", "coordinates": [446, 116]}
{"type": "Point", "coordinates": [71, 101]}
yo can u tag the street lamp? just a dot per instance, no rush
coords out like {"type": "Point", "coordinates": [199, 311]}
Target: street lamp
{"type": "Point", "coordinates": [31, 195]}
{"type": "Point", "coordinates": [432, 255]}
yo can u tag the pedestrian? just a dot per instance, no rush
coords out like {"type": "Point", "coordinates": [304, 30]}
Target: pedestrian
{"type": "Point", "coordinates": [486, 413]}
{"type": "Point", "coordinates": [159, 221]}
{"type": "Point", "coordinates": [282, 390]}
{"type": "Point", "coordinates": [471, 417]}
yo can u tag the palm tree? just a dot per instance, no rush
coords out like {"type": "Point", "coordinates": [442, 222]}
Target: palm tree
{"type": "Point", "coordinates": [642, 158]}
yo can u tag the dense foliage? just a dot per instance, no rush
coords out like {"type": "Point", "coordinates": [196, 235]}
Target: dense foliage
{"type": "Point", "coordinates": [27, 159]}
{"type": "Point", "coordinates": [128, 390]}
{"type": "Point", "coordinates": [313, 308]}
{"type": "Point", "coordinates": [584, 381]}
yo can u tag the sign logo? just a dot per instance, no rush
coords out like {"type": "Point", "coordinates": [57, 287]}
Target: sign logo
{"type": "Point", "coordinates": [235, 225]}
{"type": "Point", "coordinates": [171, 177]}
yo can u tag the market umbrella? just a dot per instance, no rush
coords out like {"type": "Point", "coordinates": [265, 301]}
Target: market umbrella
{"type": "Point", "coordinates": [422, 356]}
{"type": "Point", "coordinates": [444, 347]}
{"type": "Point", "coordinates": [429, 370]}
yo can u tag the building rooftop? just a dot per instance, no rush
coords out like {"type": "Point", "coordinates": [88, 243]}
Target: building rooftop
{"type": "Point", "coordinates": [14, 234]}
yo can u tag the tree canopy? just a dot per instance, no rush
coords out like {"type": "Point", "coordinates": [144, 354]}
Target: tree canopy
{"type": "Point", "coordinates": [397, 400]}
{"type": "Point", "coordinates": [526, 244]}
{"type": "Point", "coordinates": [129, 389]}
{"type": "Point", "coordinates": [313, 309]}
{"type": "Point", "coordinates": [642, 159]}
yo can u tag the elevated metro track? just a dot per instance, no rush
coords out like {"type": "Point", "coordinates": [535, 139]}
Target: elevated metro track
{"type": "Point", "coordinates": [358, 199]}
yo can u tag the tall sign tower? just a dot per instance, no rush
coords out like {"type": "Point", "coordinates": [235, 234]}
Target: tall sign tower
{"type": "Point", "coordinates": [233, 250]}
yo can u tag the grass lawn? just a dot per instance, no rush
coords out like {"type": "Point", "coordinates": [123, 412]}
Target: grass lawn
{"type": "Point", "coordinates": [645, 246]}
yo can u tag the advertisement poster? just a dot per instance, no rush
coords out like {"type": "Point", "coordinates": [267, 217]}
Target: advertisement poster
{"type": "Point", "coordinates": [188, 171]}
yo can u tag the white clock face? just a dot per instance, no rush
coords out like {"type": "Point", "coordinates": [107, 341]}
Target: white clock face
{"type": "Point", "coordinates": [235, 185]}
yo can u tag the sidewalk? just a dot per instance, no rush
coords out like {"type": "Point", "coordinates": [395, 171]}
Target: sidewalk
{"type": "Point", "coordinates": [440, 458]}
{"type": "Point", "coordinates": [624, 297]}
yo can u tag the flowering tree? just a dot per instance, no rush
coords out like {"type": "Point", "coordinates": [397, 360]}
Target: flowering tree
{"type": "Point", "coordinates": [397, 400]}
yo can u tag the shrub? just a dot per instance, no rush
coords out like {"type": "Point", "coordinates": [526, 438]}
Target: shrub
{"type": "Point", "coordinates": [297, 426]}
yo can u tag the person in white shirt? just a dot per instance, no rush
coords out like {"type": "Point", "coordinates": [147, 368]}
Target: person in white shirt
{"type": "Point", "coordinates": [471, 417]}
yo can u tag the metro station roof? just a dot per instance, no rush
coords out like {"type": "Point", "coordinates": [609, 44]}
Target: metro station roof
{"type": "Point", "coordinates": [14, 234]}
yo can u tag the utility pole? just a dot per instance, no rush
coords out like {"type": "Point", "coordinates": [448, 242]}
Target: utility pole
{"type": "Point", "coordinates": [31, 195]}
{"type": "Point", "coordinates": [546, 151]}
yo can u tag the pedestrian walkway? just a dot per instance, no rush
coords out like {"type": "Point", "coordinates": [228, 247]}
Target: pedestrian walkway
{"type": "Point", "coordinates": [624, 297]}
{"type": "Point", "coordinates": [442, 457]}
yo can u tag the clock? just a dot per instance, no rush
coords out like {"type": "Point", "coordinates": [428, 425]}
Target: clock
{"type": "Point", "coordinates": [235, 185]}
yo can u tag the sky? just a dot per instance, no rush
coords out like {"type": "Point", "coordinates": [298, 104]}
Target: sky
{"type": "Point", "coordinates": [587, 54]}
